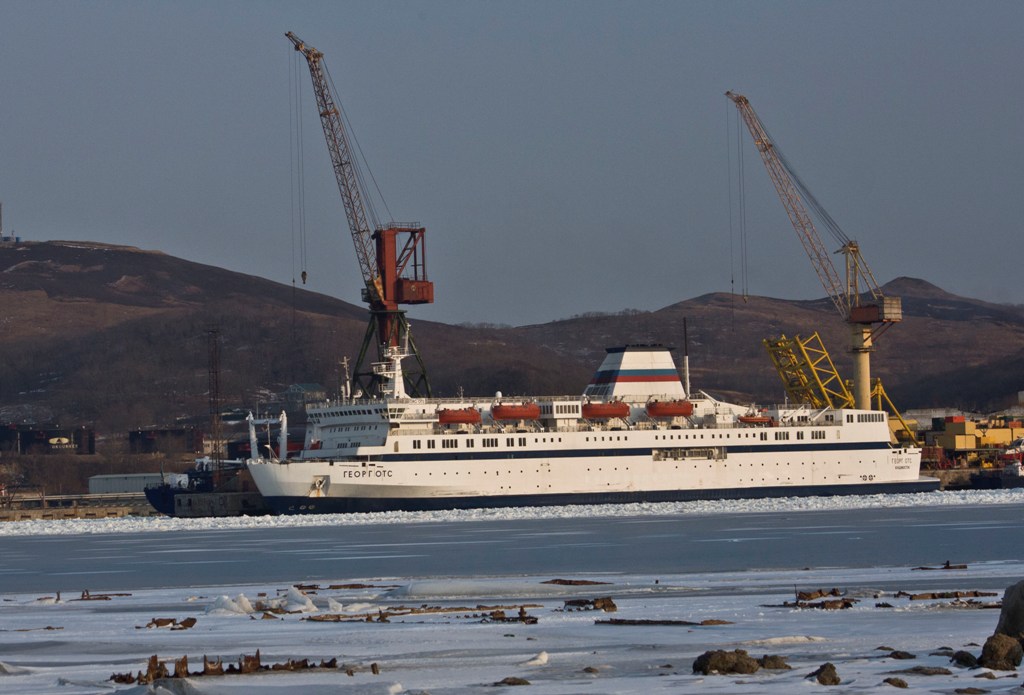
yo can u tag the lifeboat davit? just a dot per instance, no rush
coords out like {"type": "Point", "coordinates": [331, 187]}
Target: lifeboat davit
{"type": "Point", "coordinates": [515, 411]}
{"type": "Point", "coordinates": [459, 416]}
{"type": "Point", "coordinates": [670, 409]}
{"type": "Point", "coordinates": [754, 419]}
{"type": "Point", "coordinates": [605, 411]}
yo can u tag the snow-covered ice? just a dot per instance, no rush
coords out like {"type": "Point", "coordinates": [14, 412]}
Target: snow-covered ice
{"type": "Point", "coordinates": [441, 635]}
{"type": "Point", "coordinates": [950, 498]}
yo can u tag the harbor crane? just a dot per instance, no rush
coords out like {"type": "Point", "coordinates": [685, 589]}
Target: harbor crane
{"type": "Point", "coordinates": [867, 314]}
{"type": "Point", "coordinates": [392, 257]}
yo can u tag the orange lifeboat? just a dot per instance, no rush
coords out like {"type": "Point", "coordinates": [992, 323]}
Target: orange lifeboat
{"type": "Point", "coordinates": [459, 416]}
{"type": "Point", "coordinates": [605, 411]}
{"type": "Point", "coordinates": [515, 411]}
{"type": "Point", "coordinates": [754, 419]}
{"type": "Point", "coordinates": [670, 409]}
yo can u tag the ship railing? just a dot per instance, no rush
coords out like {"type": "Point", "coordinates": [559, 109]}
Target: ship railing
{"type": "Point", "coordinates": [482, 401]}
{"type": "Point", "coordinates": [479, 400]}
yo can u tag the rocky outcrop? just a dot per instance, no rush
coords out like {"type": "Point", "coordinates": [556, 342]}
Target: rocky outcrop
{"type": "Point", "coordinates": [774, 662]}
{"type": "Point", "coordinates": [722, 662]}
{"type": "Point", "coordinates": [1001, 653]}
{"type": "Point", "coordinates": [1003, 650]}
{"type": "Point", "coordinates": [1011, 616]}
{"type": "Point", "coordinates": [826, 674]}
{"type": "Point", "coordinates": [964, 659]}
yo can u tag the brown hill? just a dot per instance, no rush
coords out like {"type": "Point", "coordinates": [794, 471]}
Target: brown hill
{"type": "Point", "coordinates": [116, 337]}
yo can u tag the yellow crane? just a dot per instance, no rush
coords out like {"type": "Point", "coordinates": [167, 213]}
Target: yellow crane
{"type": "Point", "coordinates": [809, 376]}
{"type": "Point", "coordinates": [857, 297]}
{"type": "Point", "coordinates": [807, 372]}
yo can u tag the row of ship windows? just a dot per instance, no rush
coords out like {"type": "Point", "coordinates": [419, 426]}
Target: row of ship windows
{"type": "Point", "coordinates": [354, 411]}
{"type": "Point", "coordinates": [763, 436]}
{"type": "Point", "coordinates": [354, 428]}
{"type": "Point", "coordinates": [625, 469]}
{"type": "Point", "coordinates": [709, 466]}
{"type": "Point", "coordinates": [548, 487]}
{"type": "Point", "coordinates": [486, 442]}
{"type": "Point", "coordinates": [492, 442]}
{"type": "Point", "coordinates": [693, 467]}
{"type": "Point", "coordinates": [868, 417]}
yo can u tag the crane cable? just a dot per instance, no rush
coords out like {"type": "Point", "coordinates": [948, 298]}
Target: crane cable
{"type": "Point", "coordinates": [728, 171]}
{"type": "Point", "coordinates": [740, 207]}
{"type": "Point", "coordinates": [371, 209]}
{"type": "Point", "coordinates": [298, 170]}
{"type": "Point", "coordinates": [743, 210]}
{"type": "Point", "coordinates": [816, 208]}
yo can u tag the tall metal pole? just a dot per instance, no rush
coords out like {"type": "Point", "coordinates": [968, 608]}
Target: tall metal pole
{"type": "Point", "coordinates": [213, 345]}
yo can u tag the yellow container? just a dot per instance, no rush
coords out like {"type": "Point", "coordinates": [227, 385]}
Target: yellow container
{"type": "Point", "coordinates": [995, 437]}
{"type": "Point", "coordinates": [958, 442]}
{"type": "Point", "coordinates": [961, 428]}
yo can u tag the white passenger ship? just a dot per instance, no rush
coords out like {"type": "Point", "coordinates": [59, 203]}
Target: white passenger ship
{"type": "Point", "coordinates": [635, 435]}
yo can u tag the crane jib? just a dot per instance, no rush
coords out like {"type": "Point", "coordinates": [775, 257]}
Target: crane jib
{"type": "Point", "coordinates": [867, 319]}
{"type": "Point", "coordinates": [392, 258]}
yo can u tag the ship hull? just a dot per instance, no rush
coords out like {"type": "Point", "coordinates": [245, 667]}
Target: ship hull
{"type": "Point", "coordinates": [574, 475]}
{"type": "Point", "coordinates": [161, 498]}
{"type": "Point", "coordinates": [351, 505]}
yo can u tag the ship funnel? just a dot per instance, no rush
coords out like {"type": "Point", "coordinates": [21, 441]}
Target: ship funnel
{"type": "Point", "coordinates": [636, 373]}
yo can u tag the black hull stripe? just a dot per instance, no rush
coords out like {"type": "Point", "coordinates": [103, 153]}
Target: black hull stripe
{"type": "Point", "coordinates": [345, 505]}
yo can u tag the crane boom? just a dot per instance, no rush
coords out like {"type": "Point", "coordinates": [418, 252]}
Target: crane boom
{"type": "Point", "coordinates": [798, 215]}
{"type": "Point", "coordinates": [392, 258]}
{"type": "Point", "coordinates": [345, 170]}
{"type": "Point", "coordinates": [845, 295]}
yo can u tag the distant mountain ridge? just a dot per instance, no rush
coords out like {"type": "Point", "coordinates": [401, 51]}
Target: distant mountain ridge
{"type": "Point", "coordinates": [116, 337]}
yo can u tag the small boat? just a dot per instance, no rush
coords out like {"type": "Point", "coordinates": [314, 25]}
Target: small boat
{"type": "Point", "coordinates": [680, 408]}
{"type": "Point", "coordinates": [605, 411]}
{"type": "Point", "coordinates": [515, 411]}
{"type": "Point", "coordinates": [458, 416]}
{"type": "Point", "coordinates": [215, 487]}
{"type": "Point", "coordinates": [211, 488]}
{"type": "Point", "coordinates": [754, 419]}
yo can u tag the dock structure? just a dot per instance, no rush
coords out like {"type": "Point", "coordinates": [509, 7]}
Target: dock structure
{"type": "Point", "coordinates": [33, 506]}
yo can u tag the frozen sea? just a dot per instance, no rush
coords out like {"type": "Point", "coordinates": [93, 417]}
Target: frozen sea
{"type": "Point", "coordinates": [736, 562]}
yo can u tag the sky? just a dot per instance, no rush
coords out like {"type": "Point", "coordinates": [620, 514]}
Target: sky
{"type": "Point", "coordinates": [565, 157]}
